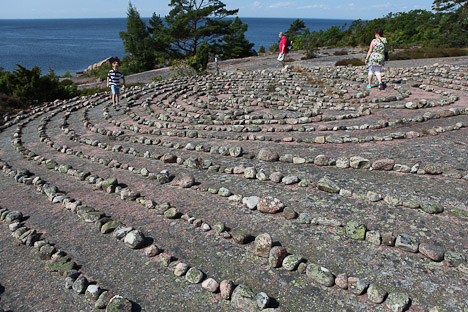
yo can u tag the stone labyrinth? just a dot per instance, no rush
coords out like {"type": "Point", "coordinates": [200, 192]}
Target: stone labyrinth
{"type": "Point", "coordinates": [242, 192]}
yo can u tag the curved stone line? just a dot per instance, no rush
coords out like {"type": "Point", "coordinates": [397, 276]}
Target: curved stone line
{"type": "Point", "coordinates": [388, 239]}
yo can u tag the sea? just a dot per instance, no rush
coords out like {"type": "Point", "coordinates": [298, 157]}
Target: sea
{"type": "Point", "coordinates": [73, 44]}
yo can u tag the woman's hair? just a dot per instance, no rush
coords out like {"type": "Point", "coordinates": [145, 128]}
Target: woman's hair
{"type": "Point", "coordinates": [115, 64]}
{"type": "Point", "coordinates": [380, 32]}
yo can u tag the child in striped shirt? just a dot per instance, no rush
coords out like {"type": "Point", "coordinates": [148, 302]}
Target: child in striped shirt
{"type": "Point", "coordinates": [113, 80]}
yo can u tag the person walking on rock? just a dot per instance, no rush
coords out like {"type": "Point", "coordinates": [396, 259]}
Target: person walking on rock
{"type": "Point", "coordinates": [113, 80]}
{"type": "Point", "coordinates": [283, 48]}
{"type": "Point", "coordinates": [375, 58]}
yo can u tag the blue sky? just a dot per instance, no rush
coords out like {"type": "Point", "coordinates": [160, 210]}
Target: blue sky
{"type": "Point", "coordinates": [348, 9]}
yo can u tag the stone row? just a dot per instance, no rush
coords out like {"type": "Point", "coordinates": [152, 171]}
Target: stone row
{"type": "Point", "coordinates": [355, 162]}
{"type": "Point", "coordinates": [58, 260]}
{"type": "Point", "coordinates": [110, 186]}
{"type": "Point", "coordinates": [353, 229]}
{"type": "Point", "coordinates": [241, 296]}
{"type": "Point", "coordinates": [324, 184]}
{"type": "Point", "coordinates": [291, 262]}
{"type": "Point", "coordinates": [333, 139]}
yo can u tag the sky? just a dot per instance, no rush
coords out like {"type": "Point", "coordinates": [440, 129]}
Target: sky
{"type": "Point", "coordinates": [348, 9]}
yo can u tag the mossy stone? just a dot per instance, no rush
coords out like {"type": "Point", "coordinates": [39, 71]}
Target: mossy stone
{"type": "Point", "coordinates": [356, 230]}
{"type": "Point", "coordinates": [110, 181]}
{"type": "Point", "coordinates": [432, 208]}
{"type": "Point", "coordinates": [61, 265]}
{"type": "Point", "coordinates": [109, 226]}
{"type": "Point", "coordinates": [119, 304]}
{"type": "Point", "coordinates": [320, 274]}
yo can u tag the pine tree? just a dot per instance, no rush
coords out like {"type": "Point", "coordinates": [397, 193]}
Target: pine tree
{"type": "Point", "coordinates": [235, 44]}
{"type": "Point", "coordinates": [137, 42]}
{"type": "Point", "coordinates": [192, 23]}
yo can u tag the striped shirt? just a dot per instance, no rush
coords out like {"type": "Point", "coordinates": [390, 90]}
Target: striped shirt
{"type": "Point", "coordinates": [114, 77]}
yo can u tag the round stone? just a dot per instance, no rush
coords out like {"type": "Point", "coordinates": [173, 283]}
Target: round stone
{"type": "Point", "coordinates": [134, 239]}
{"type": "Point", "coordinates": [194, 276]}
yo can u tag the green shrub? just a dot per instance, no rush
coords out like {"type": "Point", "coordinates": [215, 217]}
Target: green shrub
{"type": "Point", "coordinates": [341, 52]}
{"type": "Point", "coordinates": [261, 49]}
{"type": "Point", "coordinates": [350, 62]}
{"type": "Point", "coordinates": [274, 47]}
{"type": "Point", "coordinates": [429, 52]}
{"type": "Point", "coordinates": [29, 87]}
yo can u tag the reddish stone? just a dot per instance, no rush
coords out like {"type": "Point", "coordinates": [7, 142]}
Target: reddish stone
{"type": "Point", "coordinates": [269, 204]}
{"type": "Point", "coordinates": [383, 164]}
{"type": "Point", "coordinates": [169, 158]}
{"type": "Point", "coordinates": [185, 181]}
{"type": "Point", "coordinates": [277, 255]}
{"type": "Point", "coordinates": [342, 281]}
{"type": "Point", "coordinates": [226, 288]}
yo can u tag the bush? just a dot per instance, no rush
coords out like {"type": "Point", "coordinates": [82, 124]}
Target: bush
{"type": "Point", "coordinates": [10, 103]}
{"type": "Point", "coordinates": [261, 49]}
{"type": "Point", "coordinates": [341, 52]}
{"type": "Point", "coordinates": [350, 62]}
{"type": "Point", "coordinates": [274, 47]}
{"type": "Point", "coordinates": [29, 87]}
{"type": "Point", "coordinates": [419, 53]}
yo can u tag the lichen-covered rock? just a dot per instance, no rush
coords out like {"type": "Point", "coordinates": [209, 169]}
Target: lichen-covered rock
{"type": "Point", "coordinates": [397, 302]}
{"type": "Point", "coordinates": [357, 286]}
{"type": "Point", "coordinates": [376, 294]}
{"type": "Point", "coordinates": [267, 155]}
{"type": "Point", "coordinates": [243, 298]}
{"type": "Point", "coordinates": [194, 276]}
{"type": "Point", "coordinates": [269, 204]}
{"type": "Point", "coordinates": [432, 251]}
{"type": "Point", "coordinates": [276, 257]}
{"type": "Point", "coordinates": [171, 213]}
{"type": "Point", "coordinates": [356, 230]}
{"type": "Point", "coordinates": [93, 292]}
{"type": "Point", "coordinates": [80, 284]}
{"type": "Point", "coordinates": [61, 264]}
{"type": "Point", "coordinates": [119, 304]}
{"type": "Point", "coordinates": [327, 185]}
{"type": "Point", "coordinates": [407, 243]}
{"type": "Point", "coordinates": [432, 208]}
{"type": "Point", "coordinates": [263, 243]}
{"type": "Point", "coordinates": [291, 262]}
{"type": "Point", "coordinates": [453, 259]}
{"type": "Point", "coordinates": [103, 300]}
{"type": "Point", "coordinates": [320, 275]}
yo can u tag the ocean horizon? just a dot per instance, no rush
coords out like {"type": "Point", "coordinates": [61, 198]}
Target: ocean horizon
{"type": "Point", "coordinates": [73, 44]}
